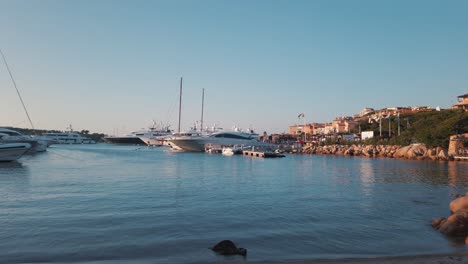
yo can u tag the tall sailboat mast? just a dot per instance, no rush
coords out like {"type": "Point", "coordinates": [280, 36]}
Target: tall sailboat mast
{"type": "Point", "coordinates": [180, 104]}
{"type": "Point", "coordinates": [17, 91]}
{"type": "Point", "coordinates": [202, 106]}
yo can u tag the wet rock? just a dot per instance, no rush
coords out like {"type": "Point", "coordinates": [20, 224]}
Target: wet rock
{"type": "Point", "coordinates": [436, 223]}
{"type": "Point", "coordinates": [443, 155]}
{"type": "Point", "coordinates": [401, 152]}
{"type": "Point", "coordinates": [456, 225]}
{"type": "Point", "coordinates": [227, 247]}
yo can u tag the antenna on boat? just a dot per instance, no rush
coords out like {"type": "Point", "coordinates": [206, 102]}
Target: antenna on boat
{"type": "Point", "coordinates": [180, 104]}
{"type": "Point", "coordinates": [17, 91]}
{"type": "Point", "coordinates": [202, 106]}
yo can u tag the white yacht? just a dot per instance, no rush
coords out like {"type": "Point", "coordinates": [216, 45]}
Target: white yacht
{"type": "Point", "coordinates": [220, 138]}
{"type": "Point", "coordinates": [11, 136]}
{"type": "Point", "coordinates": [156, 138]}
{"type": "Point", "coordinates": [143, 137]}
{"type": "Point", "coordinates": [168, 141]}
{"type": "Point", "coordinates": [13, 151]}
{"type": "Point", "coordinates": [69, 138]}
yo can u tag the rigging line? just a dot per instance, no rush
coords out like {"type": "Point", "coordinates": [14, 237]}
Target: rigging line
{"type": "Point", "coordinates": [17, 91]}
{"type": "Point", "coordinates": [61, 155]}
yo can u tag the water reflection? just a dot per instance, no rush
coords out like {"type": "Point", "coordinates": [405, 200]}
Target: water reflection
{"type": "Point", "coordinates": [366, 174]}
{"type": "Point", "coordinates": [127, 204]}
{"type": "Point", "coordinates": [13, 169]}
{"type": "Point", "coordinates": [14, 177]}
{"type": "Point", "coordinates": [457, 173]}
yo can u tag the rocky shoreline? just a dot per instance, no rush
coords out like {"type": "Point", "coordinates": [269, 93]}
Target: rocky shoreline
{"type": "Point", "coordinates": [411, 152]}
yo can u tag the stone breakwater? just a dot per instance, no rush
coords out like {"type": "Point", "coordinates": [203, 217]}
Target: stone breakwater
{"type": "Point", "coordinates": [413, 152]}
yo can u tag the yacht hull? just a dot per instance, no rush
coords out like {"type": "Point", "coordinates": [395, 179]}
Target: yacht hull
{"type": "Point", "coordinates": [201, 144]}
{"type": "Point", "coordinates": [124, 140]}
{"type": "Point", "coordinates": [13, 151]}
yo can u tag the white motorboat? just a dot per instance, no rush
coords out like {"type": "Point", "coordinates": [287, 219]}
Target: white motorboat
{"type": "Point", "coordinates": [227, 151]}
{"type": "Point", "coordinates": [221, 138]}
{"type": "Point", "coordinates": [69, 138]}
{"type": "Point", "coordinates": [11, 136]}
{"type": "Point", "coordinates": [13, 151]}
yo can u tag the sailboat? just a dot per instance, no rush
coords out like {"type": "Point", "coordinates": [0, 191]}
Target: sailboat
{"type": "Point", "coordinates": [197, 141]}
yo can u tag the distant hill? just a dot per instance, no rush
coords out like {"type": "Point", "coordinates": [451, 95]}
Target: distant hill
{"type": "Point", "coordinates": [431, 128]}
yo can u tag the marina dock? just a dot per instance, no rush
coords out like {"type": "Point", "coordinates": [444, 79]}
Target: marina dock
{"type": "Point", "coordinates": [262, 154]}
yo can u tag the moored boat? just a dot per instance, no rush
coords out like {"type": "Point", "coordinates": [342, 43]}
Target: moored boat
{"type": "Point", "coordinates": [13, 151]}
{"type": "Point", "coordinates": [11, 136]}
{"type": "Point", "coordinates": [221, 138]}
{"type": "Point", "coordinates": [68, 138]}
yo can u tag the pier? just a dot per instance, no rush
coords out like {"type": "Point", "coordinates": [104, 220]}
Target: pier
{"type": "Point", "coordinates": [262, 154]}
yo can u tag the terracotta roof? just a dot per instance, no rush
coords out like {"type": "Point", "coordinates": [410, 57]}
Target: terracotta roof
{"type": "Point", "coordinates": [462, 96]}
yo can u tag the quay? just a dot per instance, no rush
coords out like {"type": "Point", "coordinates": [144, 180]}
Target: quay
{"type": "Point", "coordinates": [262, 154]}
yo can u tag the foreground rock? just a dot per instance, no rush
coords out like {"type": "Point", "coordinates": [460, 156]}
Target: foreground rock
{"type": "Point", "coordinates": [227, 247]}
{"type": "Point", "coordinates": [460, 203]}
{"type": "Point", "coordinates": [456, 225]}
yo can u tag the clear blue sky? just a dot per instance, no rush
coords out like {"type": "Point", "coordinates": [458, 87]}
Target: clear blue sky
{"type": "Point", "coordinates": [113, 66]}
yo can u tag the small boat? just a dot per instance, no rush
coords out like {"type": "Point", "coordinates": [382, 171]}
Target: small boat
{"type": "Point", "coordinates": [235, 150]}
{"type": "Point", "coordinates": [13, 151]}
{"type": "Point", "coordinates": [228, 151]}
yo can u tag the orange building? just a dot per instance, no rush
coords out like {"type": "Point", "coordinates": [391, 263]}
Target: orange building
{"type": "Point", "coordinates": [462, 102]}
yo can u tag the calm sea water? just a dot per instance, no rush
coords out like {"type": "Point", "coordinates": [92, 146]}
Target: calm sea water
{"type": "Point", "coordinates": [107, 204]}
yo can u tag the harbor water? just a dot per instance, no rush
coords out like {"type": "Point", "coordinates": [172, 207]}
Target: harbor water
{"type": "Point", "coordinates": [126, 204]}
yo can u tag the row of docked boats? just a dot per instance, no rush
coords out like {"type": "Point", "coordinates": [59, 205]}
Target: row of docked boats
{"type": "Point", "coordinates": [193, 140]}
{"type": "Point", "coordinates": [14, 144]}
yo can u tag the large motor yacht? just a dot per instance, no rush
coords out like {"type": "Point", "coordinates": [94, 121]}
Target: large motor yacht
{"type": "Point", "coordinates": [138, 138]}
{"type": "Point", "coordinates": [156, 138]}
{"type": "Point", "coordinates": [219, 139]}
{"type": "Point", "coordinates": [131, 139]}
{"type": "Point", "coordinates": [69, 138]}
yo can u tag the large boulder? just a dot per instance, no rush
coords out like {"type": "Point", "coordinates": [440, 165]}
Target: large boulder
{"type": "Point", "coordinates": [458, 204]}
{"type": "Point", "coordinates": [401, 152]}
{"type": "Point", "coordinates": [415, 150]}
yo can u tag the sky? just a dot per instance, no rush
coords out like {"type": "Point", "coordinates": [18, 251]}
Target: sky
{"type": "Point", "coordinates": [115, 66]}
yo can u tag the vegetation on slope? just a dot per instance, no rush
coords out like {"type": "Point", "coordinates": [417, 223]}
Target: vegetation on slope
{"type": "Point", "coordinates": [431, 128]}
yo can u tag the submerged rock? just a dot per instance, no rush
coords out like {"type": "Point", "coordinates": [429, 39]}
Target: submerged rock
{"type": "Point", "coordinates": [227, 247]}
